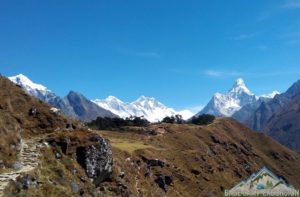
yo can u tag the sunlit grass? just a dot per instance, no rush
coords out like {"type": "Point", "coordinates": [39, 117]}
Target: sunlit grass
{"type": "Point", "coordinates": [129, 145]}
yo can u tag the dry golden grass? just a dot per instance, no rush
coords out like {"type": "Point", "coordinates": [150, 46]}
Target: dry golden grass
{"type": "Point", "coordinates": [129, 145]}
{"type": "Point", "coordinates": [216, 151]}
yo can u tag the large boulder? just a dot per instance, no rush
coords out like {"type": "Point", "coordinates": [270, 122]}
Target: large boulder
{"type": "Point", "coordinates": [96, 159]}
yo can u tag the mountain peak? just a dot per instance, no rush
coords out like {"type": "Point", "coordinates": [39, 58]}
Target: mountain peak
{"type": "Point", "coordinates": [25, 82]}
{"type": "Point", "coordinates": [111, 99]}
{"type": "Point", "coordinates": [147, 107]}
{"type": "Point", "coordinates": [239, 86]}
{"type": "Point", "coordinates": [145, 98]}
{"type": "Point", "coordinates": [240, 82]}
{"type": "Point", "coordinates": [227, 104]}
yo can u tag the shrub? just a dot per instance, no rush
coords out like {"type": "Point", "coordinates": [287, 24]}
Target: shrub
{"type": "Point", "coordinates": [203, 119]}
{"type": "Point", "coordinates": [173, 119]}
{"type": "Point", "coordinates": [111, 123]}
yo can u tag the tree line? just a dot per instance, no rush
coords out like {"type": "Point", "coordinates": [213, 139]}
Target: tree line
{"type": "Point", "coordinates": [203, 119]}
{"type": "Point", "coordinates": [106, 123]}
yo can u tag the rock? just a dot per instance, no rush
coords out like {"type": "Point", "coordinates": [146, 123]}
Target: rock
{"type": "Point", "coordinates": [57, 155]}
{"type": "Point", "coordinates": [246, 145]}
{"type": "Point", "coordinates": [215, 139]}
{"type": "Point", "coordinates": [60, 173]}
{"type": "Point", "coordinates": [74, 186]}
{"type": "Point", "coordinates": [62, 143]}
{"type": "Point", "coordinates": [96, 159]}
{"type": "Point", "coordinates": [276, 155]}
{"type": "Point", "coordinates": [122, 174]}
{"type": "Point", "coordinates": [27, 181]}
{"type": "Point", "coordinates": [147, 174]}
{"type": "Point", "coordinates": [17, 165]}
{"type": "Point", "coordinates": [2, 164]}
{"type": "Point", "coordinates": [195, 172]}
{"type": "Point", "coordinates": [70, 126]}
{"type": "Point", "coordinates": [32, 111]}
{"type": "Point", "coordinates": [54, 110]}
{"type": "Point", "coordinates": [163, 181]}
{"type": "Point", "coordinates": [153, 162]}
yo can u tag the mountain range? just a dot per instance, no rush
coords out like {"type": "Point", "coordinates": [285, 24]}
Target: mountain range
{"type": "Point", "coordinates": [274, 114]}
{"type": "Point", "coordinates": [73, 105]}
{"type": "Point", "coordinates": [77, 106]}
{"type": "Point", "coordinates": [147, 107]}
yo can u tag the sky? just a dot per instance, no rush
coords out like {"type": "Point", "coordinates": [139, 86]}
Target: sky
{"type": "Point", "coordinates": [180, 52]}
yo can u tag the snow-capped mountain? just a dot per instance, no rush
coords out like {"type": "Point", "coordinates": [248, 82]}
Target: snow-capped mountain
{"type": "Point", "coordinates": [73, 105]}
{"type": "Point", "coordinates": [33, 89]}
{"type": "Point", "coordinates": [146, 107]}
{"type": "Point", "coordinates": [237, 97]}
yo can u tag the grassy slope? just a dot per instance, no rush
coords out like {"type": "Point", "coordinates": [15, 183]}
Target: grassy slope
{"type": "Point", "coordinates": [15, 119]}
{"type": "Point", "coordinates": [201, 159]}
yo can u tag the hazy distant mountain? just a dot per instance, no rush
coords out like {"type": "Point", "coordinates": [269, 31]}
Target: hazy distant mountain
{"type": "Point", "coordinates": [84, 109]}
{"type": "Point", "coordinates": [147, 107]}
{"type": "Point", "coordinates": [259, 119]}
{"type": "Point", "coordinates": [247, 111]}
{"type": "Point", "coordinates": [284, 125]}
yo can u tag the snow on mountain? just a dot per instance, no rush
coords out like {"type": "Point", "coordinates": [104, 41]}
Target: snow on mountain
{"type": "Point", "coordinates": [73, 105]}
{"type": "Point", "coordinates": [114, 105]}
{"type": "Point", "coordinates": [34, 89]}
{"type": "Point", "coordinates": [227, 104]}
{"type": "Point", "coordinates": [270, 95]}
{"type": "Point", "coordinates": [146, 107]}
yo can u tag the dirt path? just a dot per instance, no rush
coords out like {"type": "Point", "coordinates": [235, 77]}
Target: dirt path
{"type": "Point", "coordinates": [28, 158]}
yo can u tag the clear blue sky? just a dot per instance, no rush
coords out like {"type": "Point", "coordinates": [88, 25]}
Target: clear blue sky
{"type": "Point", "coordinates": [180, 52]}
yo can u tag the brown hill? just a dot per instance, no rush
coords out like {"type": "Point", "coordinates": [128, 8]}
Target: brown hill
{"type": "Point", "coordinates": [42, 153]}
{"type": "Point", "coordinates": [196, 160]}
{"type": "Point", "coordinates": [22, 114]}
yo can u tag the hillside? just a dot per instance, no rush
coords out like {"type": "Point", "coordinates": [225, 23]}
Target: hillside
{"type": "Point", "coordinates": [284, 125]}
{"type": "Point", "coordinates": [189, 160]}
{"type": "Point", "coordinates": [42, 153]}
{"type": "Point", "coordinates": [22, 114]}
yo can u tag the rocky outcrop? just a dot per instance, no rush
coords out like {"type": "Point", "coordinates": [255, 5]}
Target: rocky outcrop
{"type": "Point", "coordinates": [92, 152]}
{"type": "Point", "coordinates": [96, 159]}
{"type": "Point", "coordinates": [163, 181]}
